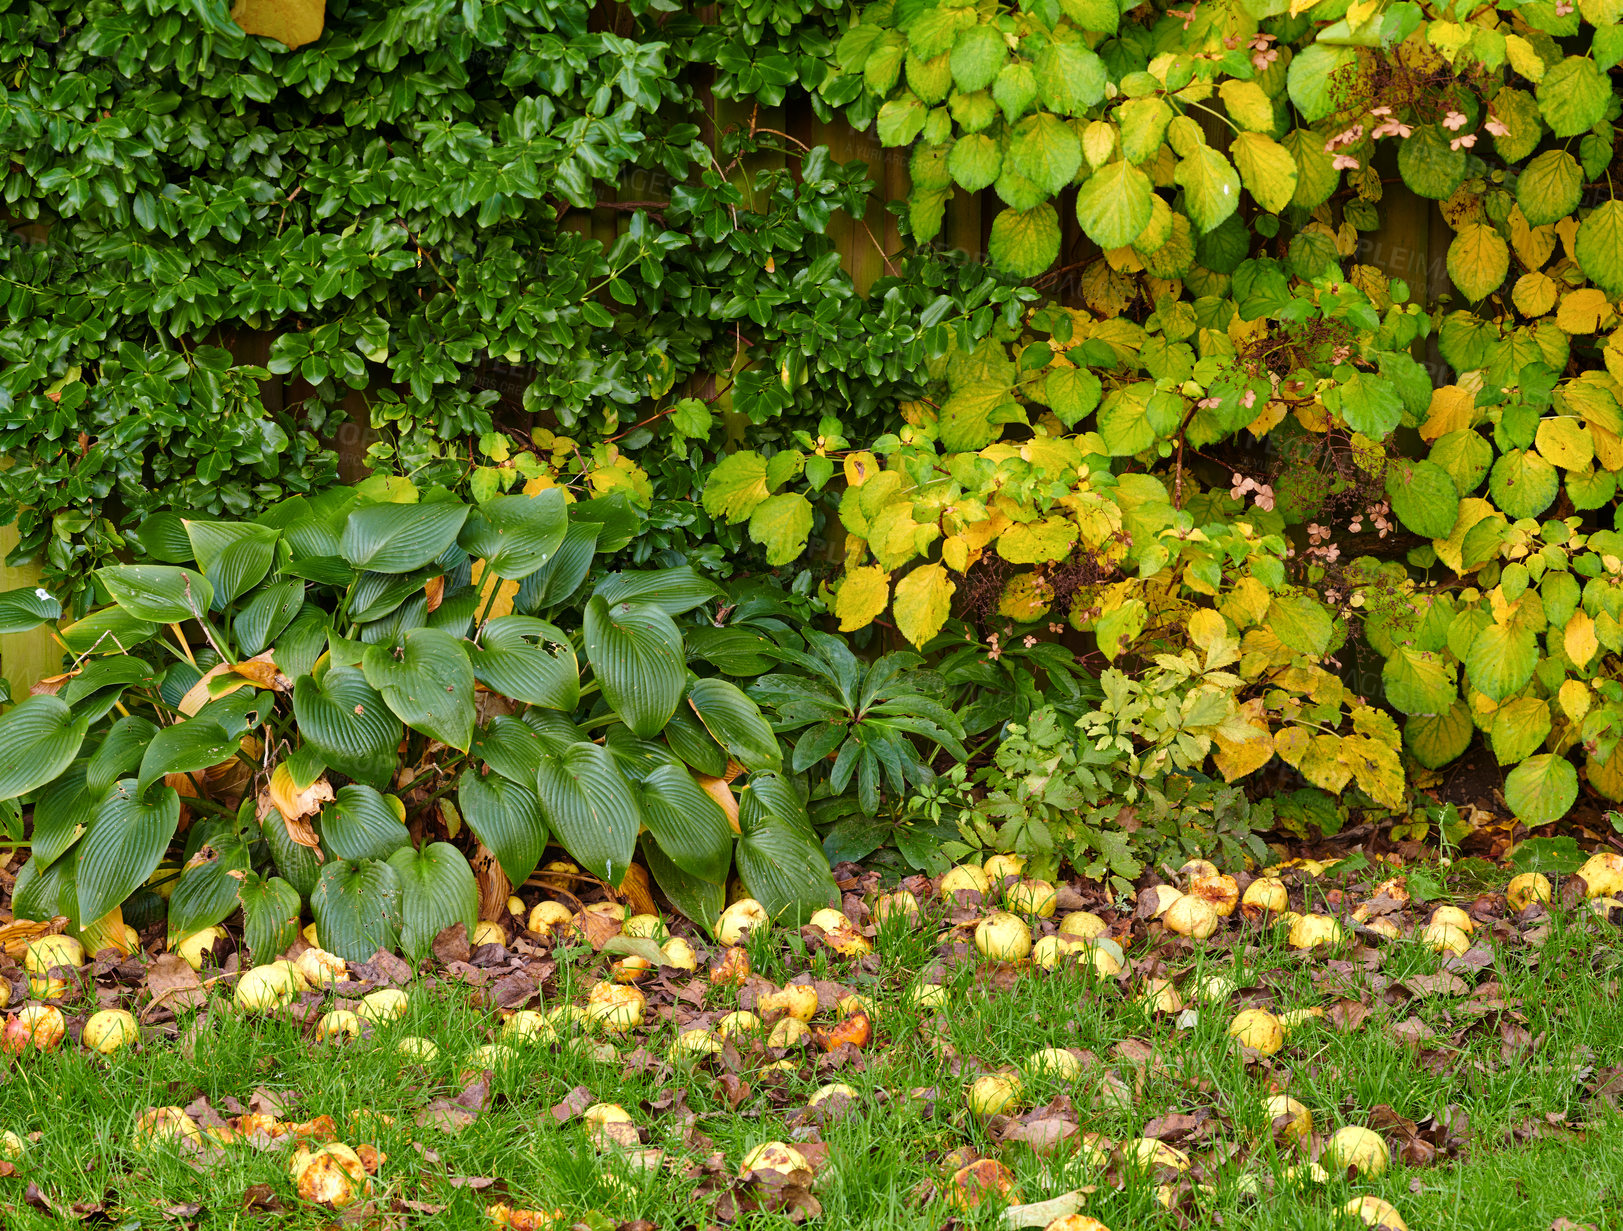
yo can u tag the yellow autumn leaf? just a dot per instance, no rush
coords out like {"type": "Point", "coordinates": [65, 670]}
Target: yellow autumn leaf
{"type": "Point", "coordinates": [1533, 244]}
{"type": "Point", "coordinates": [955, 553]}
{"type": "Point", "coordinates": [1574, 698]}
{"type": "Point", "coordinates": [1523, 58]}
{"type": "Point", "coordinates": [1579, 639]}
{"type": "Point", "coordinates": [862, 597]}
{"type": "Point", "coordinates": [859, 467]}
{"type": "Point", "coordinates": [923, 602]}
{"type": "Point", "coordinates": [1586, 310]}
{"type": "Point", "coordinates": [1566, 443]}
{"type": "Point", "coordinates": [505, 592]}
{"type": "Point", "coordinates": [1534, 294]}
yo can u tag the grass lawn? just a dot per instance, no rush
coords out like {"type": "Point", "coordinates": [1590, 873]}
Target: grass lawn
{"type": "Point", "coordinates": [1494, 1072]}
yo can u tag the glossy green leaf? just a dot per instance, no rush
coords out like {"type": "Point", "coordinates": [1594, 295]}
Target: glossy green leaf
{"type": "Point", "coordinates": [123, 844]}
{"type": "Point", "coordinates": [688, 824]}
{"type": "Point", "coordinates": [506, 816]}
{"type": "Point", "coordinates": [396, 538]}
{"type": "Point", "coordinates": [428, 683]}
{"type": "Point", "coordinates": [516, 535]}
{"type": "Point", "coordinates": [161, 593]}
{"type": "Point", "coordinates": [184, 747]}
{"type": "Point", "coordinates": [349, 723]}
{"type": "Point", "coordinates": [361, 823]}
{"type": "Point", "coordinates": [357, 907]}
{"type": "Point", "coordinates": [39, 738]}
{"type": "Point", "coordinates": [528, 660]}
{"type": "Point", "coordinates": [270, 915]}
{"type": "Point", "coordinates": [437, 889]}
{"type": "Point", "coordinates": [637, 659]}
{"type": "Point", "coordinates": [736, 723]}
{"type": "Point", "coordinates": [592, 809]}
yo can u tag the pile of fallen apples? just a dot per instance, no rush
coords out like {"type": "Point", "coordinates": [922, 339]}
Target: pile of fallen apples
{"type": "Point", "coordinates": [1005, 905]}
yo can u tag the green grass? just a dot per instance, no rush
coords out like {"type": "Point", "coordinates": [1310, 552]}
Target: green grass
{"type": "Point", "coordinates": [1565, 995]}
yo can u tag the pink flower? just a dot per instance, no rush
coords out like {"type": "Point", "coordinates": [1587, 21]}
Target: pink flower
{"type": "Point", "coordinates": [1262, 59]}
{"type": "Point", "coordinates": [1029, 641]}
{"type": "Point", "coordinates": [1379, 111]}
{"type": "Point", "coordinates": [1265, 498]}
{"type": "Point", "coordinates": [1249, 399]}
{"type": "Point", "coordinates": [1391, 128]}
{"type": "Point", "coordinates": [1209, 403]}
{"type": "Point", "coordinates": [1496, 128]}
{"type": "Point", "coordinates": [1563, 7]}
{"type": "Point", "coordinates": [1344, 162]}
{"type": "Point", "coordinates": [1463, 143]}
{"type": "Point", "coordinates": [1454, 121]}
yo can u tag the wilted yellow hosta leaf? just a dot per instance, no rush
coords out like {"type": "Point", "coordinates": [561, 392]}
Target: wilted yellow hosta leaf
{"type": "Point", "coordinates": [1585, 310]}
{"type": "Point", "coordinates": [1579, 639]}
{"type": "Point", "coordinates": [923, 602]}
{"type": "Point", "coordinates": [292, 801]}
{"type": "Point", "coordinates": [862, 597]}
{"type": "Point", "coordinates": [217, 682]}
{"type": "Point", "coordinates": [719, 791]}
{"type": "Point", "coordinates": [505, 591]}
{"type": "Point", "coordinates": [105, 933]}
{"type": "Point", "coordinates": [1534, 294]}
{"type": "Point", "coordinates": [290, 22]}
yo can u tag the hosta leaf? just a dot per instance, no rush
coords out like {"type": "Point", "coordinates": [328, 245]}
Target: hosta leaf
{"type": "Point", "coordinates": [361, 823]}
{"type": "Point", "coordinates": [528, 660]}
{"type": "Point", "coordinates": [690, 826]}
{"type": "Point", "coordinates": [428, 683]}
{"type": "Point", "coordinates": [516, 535]}
{"type": "Point", "coordinates": [39, 737]}
{"type": "Point", "coordinates": [699, 900]}
{"type": "Point", "coordinates": [26, 609]}
{"type": "Point", "coordinates": [123, 844]}
{"type": "Point", "coordinates": [781, 861]}
{"type": "Point", "coordinates": [357, 908]}
{"type": "Point", "coordinates": [505, 816]}
{"type": "Point", "coordinates": [437, 889]}
{"type": "Point", "coordinates": [184, 747]}
{"type": "Point", "coordinates": [270, 915]}
{"type": "Point", "coordinates": [735, 722]}
{"type": "Point", "coordinates": [637, 658]}
{"type": "Point", "coordinates": [397, 538]}
{"type": "Point", "coordinates": [347, 721]}
{"type": "Point", "coordinates": [234, 556]}
{"type": "Point", "coordinates": [592, 808]}
{"type": "Point", "coordinates": [161, 593]}
{"type": "Point", "coordinates": [207, 889]}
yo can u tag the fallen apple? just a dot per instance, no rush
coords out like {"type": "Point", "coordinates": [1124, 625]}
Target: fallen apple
{"type": "Point", "coordinates": [320, 968]}
{"type": "Point", "coordinates": [516, 907]}
{"type": "Point", "coordinates": [1384, 927]}
{"type": "Point", "coordinates": [970, 1185]}
{"type": "Point", "coordinates": [679, 953]}
{"type": "Point", "coordinates": [12, 1147]}
{"type": "Point", "coordinates": [965, 877]}
{"type": "Point", "coordinates": [423, 1051]}
{"type": "Point", "coordinates": [733, 968]}
{"type": "Point", "coordinates": [1032, 897]}
{"type": "Point", "coordinates": [606, 1113]}
{"type": "Point", "coordinates": [1453, 916]}
{"type": "Point", "coordinates": [1147, 1153]}
{"type": "Point", "coordinates": [851, 1005]}
{"type": "Point", "coordinates": [264, 989]}
{"type": "Point", "coordinates": [49, 954]}
{"type": "Point", "coordinates": [1197, 869]}
{"type": "Point", "coordinates": [616, 1007]}
{"type": "Point", "coordinates": [1160, 898]}
{"type": "Point", "coordinates": [1213, 989]}
{"type": "Point", "coordinates": [926, 996]}
{"type": "Point", "coordinates": [548, 915]}
{"type": "Point", "coordinates": [1603, 875]}
{"type": "Point", "coordinates": [1259, 1030]}
{"type": "Point", "coordinates": [1374, 1212]}
{"type": "Point", "coordinates": [332, 1175]}
{"type": "Point", "coordinates": [994, 1094]}
{"type": "Point", "coordinates": [1192, 916]}
{"type": "Point", "coordinates": [503, 1215]}
{"type": "Point", "coordinates": [1054, 1063]}
{"type": "Point", "coordinates": [1445, 938]}
{"type": "Point", "coordinates": [1160, 996]}
{"type": "Point", "coordinates": [488, 932]}
{"type": "Point", "coordinates": [1356, 1147]}
{"type": "Point", "coordinates": [996, 867]}
{"type": "Point", "coordinates": [855, 1031]}
{"type": "Point", "coordinates": [158, 1124]}
{"type": "Point", "coordinates": [337, 1026]}
{"type": "Point", "coordinates": [528, 1026]}
{"type": "Point", "coordinates": [899, 904]}
{"type": "Point", "coordinates": [1083, 924]}
{"type": "Point", "coordinates": [40, 1026]}
{"type": "Point", "coordinates": [1003, 937]}
{"type": "Point", "coordinates": [797, 1000]}
{"type": "Point", "coordinates": [110, 1031]}
{"type": "Point", "coordinates": [774, 1156]}
{"type": "Point", "coordinates": [739, 919]}
{"type": "Point", "coordinates": [651, 927]}
{"type": "Point", "coordinates": [835, 1089]}
{"type": "Point", "coordinates": [692, 1043]}
{"type": "Point", "coordinates": [1315, 932]}
{"type": "Point", "coordinates": [194, 947]}
{"type": "Point", "coordinates": [1050, 951]}
{"type": "Point", "coordinates": [789, 1032]}
{"type": "Point", "coordinates": [385, 1004]}
{"type": "Point", "coordinates": [1266, 895]}
{"type": "Point", "coordinates": [1076, 1222]}
{"type": "Point", "coordinates": [1527, 888]}
{"type": "Point", "coordinates": [738, 1022]}
{"type": "Point", "coordinates": [1300, 1127]}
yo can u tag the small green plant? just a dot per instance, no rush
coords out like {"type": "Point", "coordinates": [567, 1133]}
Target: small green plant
{"type": "Point", "coordinates": [332, 694]}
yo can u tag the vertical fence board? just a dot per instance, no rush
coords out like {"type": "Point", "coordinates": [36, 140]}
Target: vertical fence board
{"type": "Point", "coordinates": [25, 658]}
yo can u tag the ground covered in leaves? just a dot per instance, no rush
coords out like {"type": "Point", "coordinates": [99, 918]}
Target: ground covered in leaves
{"type": "Point", "coordinates": [1492, 1076]}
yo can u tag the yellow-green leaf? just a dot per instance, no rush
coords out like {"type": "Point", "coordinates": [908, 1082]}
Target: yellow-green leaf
{"type": "Point", "coordinates": [1267, 168]}
{"type": "Point", "coordinates": [1478, 260]}
{"type": "Point", "coordinates": [923, 601]}
{"type": "Point", "coordinates": [861, 597]}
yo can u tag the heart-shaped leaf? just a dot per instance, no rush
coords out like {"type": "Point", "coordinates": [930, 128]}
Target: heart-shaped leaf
{"type": "Point", "coordinates": [428, 682]}
{"type": "Point", "coordinates": [636, 654]}
{"type": "Point", "coordinates": [38, 740]}
{"type": "Point", "coordinates": [506, 816]}
{"type": "Point", "coordinates": [122, 846]}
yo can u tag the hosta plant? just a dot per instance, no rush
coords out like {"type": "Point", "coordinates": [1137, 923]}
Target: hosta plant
{"type": "Point", "coordinates": [337, 704]}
